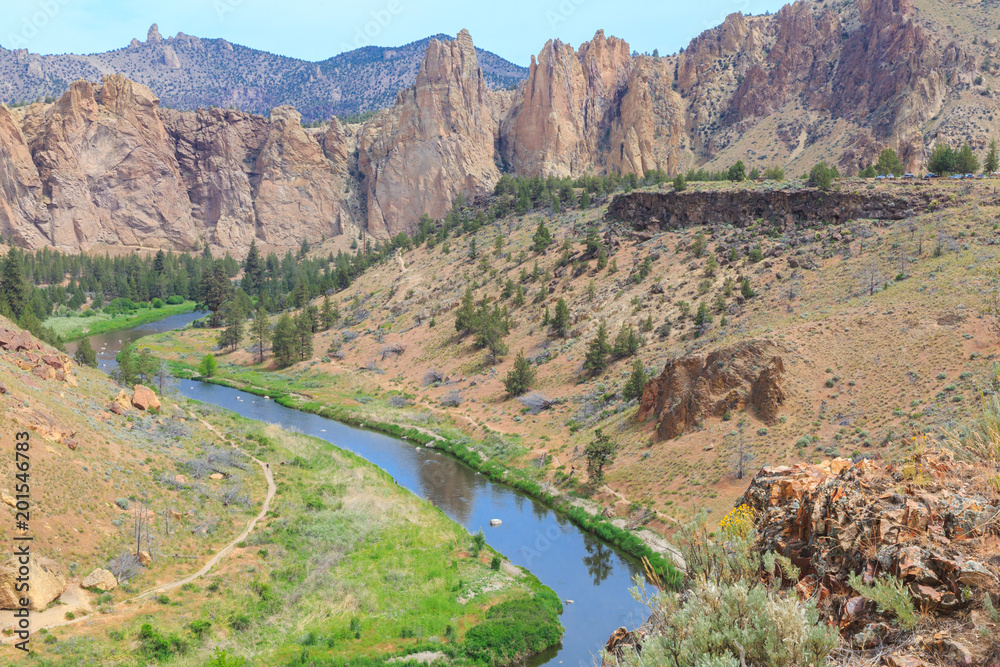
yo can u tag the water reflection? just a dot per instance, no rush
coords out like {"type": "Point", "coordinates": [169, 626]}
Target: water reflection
{"type": "Point", "coordinates": [598, 560]}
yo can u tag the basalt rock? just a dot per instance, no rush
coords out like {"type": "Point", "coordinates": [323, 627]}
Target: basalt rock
{"type": "Point", "coordinates": [659, 211]}
{"type": "Point", "coordinates": [747, 375]}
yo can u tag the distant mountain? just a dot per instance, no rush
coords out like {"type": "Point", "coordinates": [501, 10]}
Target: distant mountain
{"type": "Point", "coordinates": [189, 72]}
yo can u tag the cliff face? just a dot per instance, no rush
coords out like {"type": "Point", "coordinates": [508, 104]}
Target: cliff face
{"type": "Point", "coordinates": [559, 113]}
{"type": "Point", "coordinates": [435, 144]}
{"type": "Point", "coordinates": [108, 174]}
{"type": "Point", "coordinates": [105, 165]}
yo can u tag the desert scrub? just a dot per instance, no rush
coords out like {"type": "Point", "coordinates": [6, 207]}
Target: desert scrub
{"type": "Point", "coordinates": [726, 616]}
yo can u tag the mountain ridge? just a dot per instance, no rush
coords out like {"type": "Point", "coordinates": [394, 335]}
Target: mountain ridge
{"type": "Point", "coordinates": [189, 72]}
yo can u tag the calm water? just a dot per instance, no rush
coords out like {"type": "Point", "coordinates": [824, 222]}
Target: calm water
{"type": "Point", "coordinates": [576, 566]}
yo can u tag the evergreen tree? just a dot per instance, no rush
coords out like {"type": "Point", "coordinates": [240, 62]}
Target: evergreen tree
{"type": "Point", "coordinates": [888, 163]}
{"type": "Point", "coordinates": [542, 238]}
{"type": "Point", "coordinates": [596, 359]}
{"type": "Point", "coordinates": [600, 452]}
{"type": "Point", "coordinates": [329, 314]}
{"type": "Point", "coordinates": [966, 161]}
{"type": "Point", "coordinates": [233, 316]}
{"type": "Point", "coordinates": [253, 270]}
{"type": "Point", "coordinates": [992, 161]}
{"type": "Point", "coordinates": [636, 382]}
{"type": "Point", "coordinates": [466, 314]}
{"type": "Point", "coordinates": [12, 283]}
{"type": "Point", "coordinates": [304, 331]}
{"type": "Point", "coordinates": [217, 289]}
{"type": "Point", "coordinates": [285, 341]}
{"type": "Point", "coordinates": [560, 320]}
{"type": "Point", "coordinates": [520, 378]}
{"type": "Point", "coordinates": [260, 329]}
{"type": "Point", "coordinates": [626, 342]}
{"type": "Point", "coordinates": [85, 354]}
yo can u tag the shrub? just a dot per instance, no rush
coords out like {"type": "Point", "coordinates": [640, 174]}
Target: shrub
{"type": "Point", "coordinates": [208, 366]}
{"type": "Point", "coordinates": [157, 303]}
{"type": "Point", "coordinates": [890, 595]}
{"type": "Point", "coordinates": [821, 176]}
{"type": "Point", "coordinates": [680, 184]}
{"type": "Point", "coordinates": [175, 300]}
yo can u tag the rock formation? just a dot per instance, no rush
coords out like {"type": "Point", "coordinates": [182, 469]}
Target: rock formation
{"type": "Point", "coordinates": [437, 142]}
{"type": "Point", "coordinates": [745, 375]}
{"type": "Point", "coordinates": [100, 578]}
{"type": "Point", "coordinates": [561, 112]}
{"type": "Point", "coordinates": [46, 583]}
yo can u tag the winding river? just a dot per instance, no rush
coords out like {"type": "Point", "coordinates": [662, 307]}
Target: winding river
{"type": "Point", "coordinates": [575, 565]}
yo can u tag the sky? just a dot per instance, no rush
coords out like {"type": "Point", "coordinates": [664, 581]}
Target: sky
{"type": "Point", "coordinates": [318, 29]}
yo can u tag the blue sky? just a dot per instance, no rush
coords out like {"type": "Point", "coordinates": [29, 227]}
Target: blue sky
{"type": "Point", "coordinates": [317, 29]}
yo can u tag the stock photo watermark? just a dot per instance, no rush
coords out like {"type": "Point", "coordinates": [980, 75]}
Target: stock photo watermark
{"type": "Point", "coordinates": [563, 11]}
{"type": "Point", "coordinates": [34, 22]}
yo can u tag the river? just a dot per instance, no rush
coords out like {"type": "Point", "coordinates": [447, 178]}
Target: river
{"type": "Point", "coordinates": [575, 565]}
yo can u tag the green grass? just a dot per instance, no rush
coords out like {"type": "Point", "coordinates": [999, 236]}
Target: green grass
{"type": "Point", "coordinates": [76, 327]}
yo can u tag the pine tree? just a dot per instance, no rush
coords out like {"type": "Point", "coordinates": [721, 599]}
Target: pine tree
{"type": "Point", "coordinates": [328, 315]}
{"type": "Point", "coordinates": [253, 270]}
{"type": "Point", "coordinates": [636, 382]}
{"type": "Point", "coordinates": [85, 354]}
{"type": "Point", "coordinates": [233, 316]}
{"type": "Point", "coordinates": [261, 331]}
{"type": "Point", "coordinates": [13, 286]}
{"type": "Point", "coordinates": [560, 320]}
{"type": "Point", "coordinates": [626, 342]}
{"type": "Point", "coordinates": [600, 452]}
{"type": "Point", "coordinates": [304, 330]}
{"type": "Point", "coordinates": [285, 345]}
{"type": "Point", "coordinates": [596, 359]}
{"type": "Point", "coordinates": [992, 161]}
{"type": "Point", "coordinates": [520, 377]}
{"type": "Point", "coordinates": [542, 238]}
{"type": "Point", "coordinates": [466, 314]}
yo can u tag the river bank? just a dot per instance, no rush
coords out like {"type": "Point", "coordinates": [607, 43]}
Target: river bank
{"type": "Point", "coordinates": [77, 326]}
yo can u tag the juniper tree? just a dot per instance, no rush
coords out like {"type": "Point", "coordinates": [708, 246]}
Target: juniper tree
{"type": "Point", "coordinates": [520, 378]}
{"type": "Point", "coordinates": [85, 354]}
{"type": "Point", "coordinates": [596, 359]}
{"type": "Point", "coordinates": [636, 383]}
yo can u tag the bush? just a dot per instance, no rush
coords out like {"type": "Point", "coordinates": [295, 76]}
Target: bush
{"type": "Point", "coordinates": [208, 366]}
{"type": "Point", "coordinates": [155, 646]}
{"type": "Point", "coordinates": [157, 303]}
{"type": "Point", "coordinates": [680, 184]}
{"type": "Point", "coordinates": [821, 176]}
{"type": "Point", "coordinates": [890, 595]}
{"type": "Point", "coordinates": [175, 300]}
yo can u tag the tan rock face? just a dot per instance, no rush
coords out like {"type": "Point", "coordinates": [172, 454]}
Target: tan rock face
{"type": "Point", "coordinates": [108, 173]}
{"type": "Point", "coordinates": [21, 212]}
{"type": "Point", "coordinates": [745, 375]}
{"type": "Point", "coordinates": [437, 142]}
{"type": "Point", "coordinates": [646, 132]}
{"type": "Point", "coordinates": [46, 583]}
{"type": "Point", "coordinates": [100, 578]}
{"type": "Point", "coordinates": [561, 111]}
{"type": "Point", "coordinates": [295, 185]}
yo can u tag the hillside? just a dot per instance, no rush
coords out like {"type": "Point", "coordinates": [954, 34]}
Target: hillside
{"type": "Point", "coordinates": [249, 537]}
{"type": "Point", "coordinates": [188, 72]}
{"type": "Point", "coordinates": [876, 324]}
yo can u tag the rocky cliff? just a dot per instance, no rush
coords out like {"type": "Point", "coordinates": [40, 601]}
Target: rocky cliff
{"type": "Point", "coordinates": [104, 164]}
{"type": "Point", "coordinates": [435, 144]}
{"type": "Point", "coordinates": [745, 375]}
{"type": "Point", "coordinates": [742, 207]}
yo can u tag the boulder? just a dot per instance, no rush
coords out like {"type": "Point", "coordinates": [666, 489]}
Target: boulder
{"type": "Point", "coordinates": [144, 558]}
{"type": "Point", "coordinates": [100, 578]}
{"type": "Point", "coordinates": [144, 398]}
{"type": "Point", "coordinates": [46, 583]}
{"type": "Point", "coordinates": [121, 403]}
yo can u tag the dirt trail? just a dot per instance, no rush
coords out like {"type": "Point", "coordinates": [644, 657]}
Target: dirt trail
{"type": "Point", "coordinates": [77, 600]}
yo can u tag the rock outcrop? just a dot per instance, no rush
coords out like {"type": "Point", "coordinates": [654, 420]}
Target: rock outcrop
{"type": "Point", "coordinates": [920, 520]}
{"type": "Point", "coordinates": [108, 174]}
{"type": "Point", "coordinates": [561, 113]}
{"type": "Point", "coordinates": [745, 375]}
{"type": "Point", "coordinates": [143, 398]}
{"type": "Point", "coordinates": [436, 143]}
{"type": "Point", "coordinates": [46, 583]}
{"type": "Point", "coordinates": [742, 207]}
